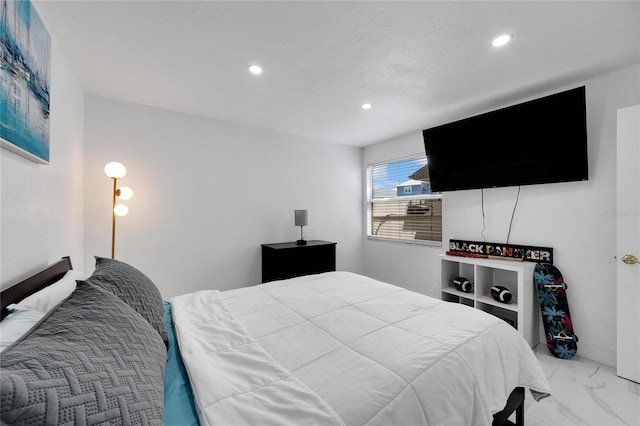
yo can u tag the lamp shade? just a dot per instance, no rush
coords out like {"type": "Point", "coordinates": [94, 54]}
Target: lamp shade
{"type": "Point", "coordinates": [121, 210]}
{"type": "Point", "coordinates": [125, 193]}
{"type": "Point", "coordinates": [115, 170]}
{"type": "Point", "coordinates": [300, 217]}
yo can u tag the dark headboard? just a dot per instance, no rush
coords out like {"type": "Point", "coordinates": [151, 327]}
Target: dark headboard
{"type": "Point", "coordinates": [37, 282]}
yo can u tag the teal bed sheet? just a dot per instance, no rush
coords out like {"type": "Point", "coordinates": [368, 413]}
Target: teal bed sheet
{"type": "Point", "coordinates": [179, 407]}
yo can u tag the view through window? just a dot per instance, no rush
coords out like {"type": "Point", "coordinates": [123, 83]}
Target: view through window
{"type": "Point", "coordinates": [401, 205]}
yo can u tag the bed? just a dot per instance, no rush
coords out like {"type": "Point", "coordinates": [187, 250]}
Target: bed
{"type": "Point", "coordinates": [333, 348]}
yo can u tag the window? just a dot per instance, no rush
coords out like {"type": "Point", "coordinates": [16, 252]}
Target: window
{"type": "Point", "coordinates": [401, 205]}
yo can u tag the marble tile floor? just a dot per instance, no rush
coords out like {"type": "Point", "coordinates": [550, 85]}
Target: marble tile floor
{"type": "Point", "coordinates": [584, 392]}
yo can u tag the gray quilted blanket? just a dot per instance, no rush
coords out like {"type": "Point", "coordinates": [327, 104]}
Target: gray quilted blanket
{"type": "Point", "coordinates": [93, 359]}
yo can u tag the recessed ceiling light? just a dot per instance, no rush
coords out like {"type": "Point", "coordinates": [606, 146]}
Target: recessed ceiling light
{"type": "Point", "coordinates": [366, 106]}
{"type": "Point", "coordinates": [501, 40]}
{"type": "Point", "coordinates": [255, 69]}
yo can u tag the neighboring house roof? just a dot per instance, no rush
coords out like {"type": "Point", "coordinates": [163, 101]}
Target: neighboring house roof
{"type": "Point", "coordinates": [412, 182]}
{"type": "Point", "coordinates": [421, 174]}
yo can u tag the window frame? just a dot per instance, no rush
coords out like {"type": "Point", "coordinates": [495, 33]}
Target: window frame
{"type": "Point", "coordinates": [370, 201]}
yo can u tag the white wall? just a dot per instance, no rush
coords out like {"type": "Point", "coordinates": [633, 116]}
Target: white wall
{"type": "Point", "coordinates": [41, 205]}
{"type": "Point", "coordinates": [415, 267]}
{"type": "Point", "coordinates": [207, 194]}
{"type": "Point", "coordinates": [573, 218]}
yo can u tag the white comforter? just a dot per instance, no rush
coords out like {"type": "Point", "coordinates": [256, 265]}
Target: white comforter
{"type": "Point", "coordinates": [340, 348]}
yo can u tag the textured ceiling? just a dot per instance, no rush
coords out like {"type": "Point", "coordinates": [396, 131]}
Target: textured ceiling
{"type": "Point", "coordinates": [419, 63]}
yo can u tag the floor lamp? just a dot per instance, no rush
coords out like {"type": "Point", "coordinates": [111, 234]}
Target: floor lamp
{"type": "Point", "coordinates": [117, 171]}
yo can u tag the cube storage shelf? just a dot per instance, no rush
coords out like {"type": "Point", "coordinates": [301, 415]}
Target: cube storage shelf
{"type": "Point", "coordinates": [521, 312]}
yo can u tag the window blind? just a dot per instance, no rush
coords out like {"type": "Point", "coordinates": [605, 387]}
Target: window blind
{"type": "Point", "coordinates": [401, 205]}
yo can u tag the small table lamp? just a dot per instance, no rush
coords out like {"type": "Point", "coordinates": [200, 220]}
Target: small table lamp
{"type": "Point", "coordinates": [301, 220]}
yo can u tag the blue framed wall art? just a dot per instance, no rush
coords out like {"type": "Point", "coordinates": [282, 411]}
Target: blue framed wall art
{"type": "Point", "coordinates": [25, 64]}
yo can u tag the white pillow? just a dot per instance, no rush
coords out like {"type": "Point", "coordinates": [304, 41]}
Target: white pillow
{"type": "Point", "coordinates": [47, 298]}
{"type": "Point", "coordinates": [16, 324]}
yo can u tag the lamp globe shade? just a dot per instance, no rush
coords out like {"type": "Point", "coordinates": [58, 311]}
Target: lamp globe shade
{"type": "Point", "coordinates": [121, 210]}
{"type": "Point", "coordinates": [115, 170]}
{"type": "Point", "coordinates": [125, 193]}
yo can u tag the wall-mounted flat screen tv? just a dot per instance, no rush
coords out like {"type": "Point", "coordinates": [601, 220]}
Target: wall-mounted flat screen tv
{"type": "Point", "coordinates": [540, 141]}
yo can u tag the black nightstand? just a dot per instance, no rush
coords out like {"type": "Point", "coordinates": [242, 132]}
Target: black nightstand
{"type": "Point", "coordinates": [287, 260]}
